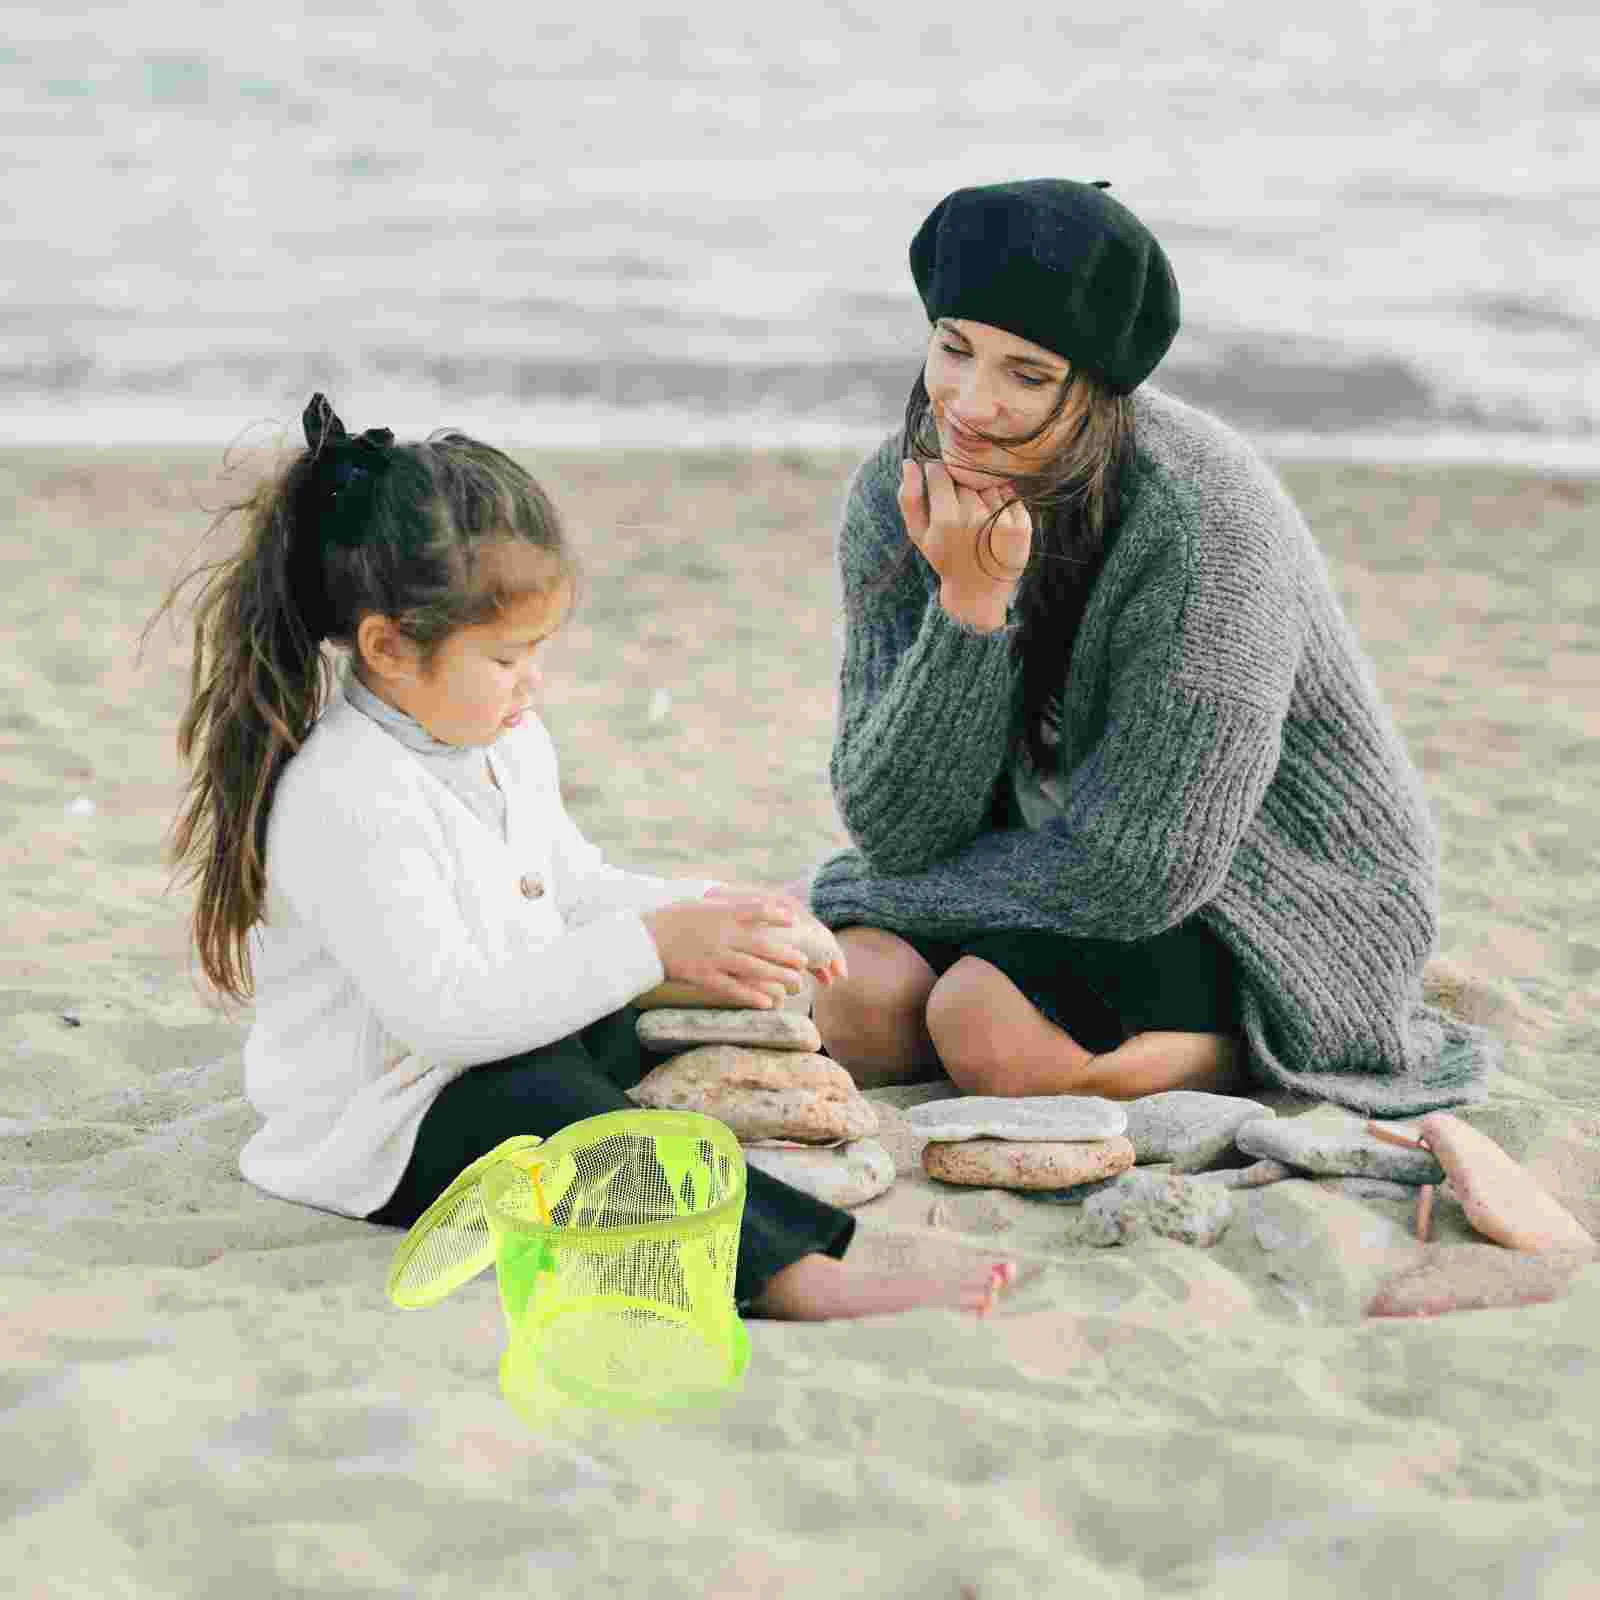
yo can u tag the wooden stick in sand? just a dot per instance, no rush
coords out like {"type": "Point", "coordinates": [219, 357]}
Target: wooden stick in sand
{"type": "Point", "coordinates": [1425, 1196]}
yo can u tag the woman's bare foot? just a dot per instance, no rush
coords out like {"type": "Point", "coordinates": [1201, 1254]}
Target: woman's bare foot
{"type": "Point", "coordinates": [816, 1288]}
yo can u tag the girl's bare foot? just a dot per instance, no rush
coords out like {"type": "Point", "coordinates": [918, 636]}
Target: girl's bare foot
{"type": "Point", "coordinates": [816, 1288]}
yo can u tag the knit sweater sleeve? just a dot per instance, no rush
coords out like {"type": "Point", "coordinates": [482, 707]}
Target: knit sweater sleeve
{"type": "Point", "coordinates": [925, 703]}
{"type": "Point", "coordinates": [1199, 656]}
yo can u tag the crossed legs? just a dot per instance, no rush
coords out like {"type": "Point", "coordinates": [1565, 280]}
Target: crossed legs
{"type": "Point", "coordinates": [894, 1021]}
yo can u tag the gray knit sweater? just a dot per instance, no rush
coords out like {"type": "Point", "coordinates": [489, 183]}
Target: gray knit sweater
{"type": "Point", "coordinates": [1224, 751]}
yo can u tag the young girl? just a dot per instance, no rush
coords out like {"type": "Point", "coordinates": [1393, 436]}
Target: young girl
{"type": "Point", "coordinates": [439, 958]}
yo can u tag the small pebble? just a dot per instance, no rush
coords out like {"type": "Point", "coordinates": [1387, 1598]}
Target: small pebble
{"type": "Point", "coordinates": [1335, 1150]}
{"type": "Point", "coordinates": [1055, 1118]}
{"type": "Point", "coordinates": [72, 1019]}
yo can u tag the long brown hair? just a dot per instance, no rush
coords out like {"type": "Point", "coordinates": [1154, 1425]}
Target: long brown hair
{"type": "Point", "coordinates": [260, 678]}
{"type": "Point", "coordinates": [1075, 500]}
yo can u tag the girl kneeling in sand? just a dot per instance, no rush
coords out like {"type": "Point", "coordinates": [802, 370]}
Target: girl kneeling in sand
{"type": "Point", "coordinates": [1129, 814]}
{"type": "Point", "coordinates": [439, 958]}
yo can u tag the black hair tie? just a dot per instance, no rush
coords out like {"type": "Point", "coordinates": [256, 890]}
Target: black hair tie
{"type": "Point", "coordinates": [345, 469]}
{"type": "Point", "coordinates": [335, 502]}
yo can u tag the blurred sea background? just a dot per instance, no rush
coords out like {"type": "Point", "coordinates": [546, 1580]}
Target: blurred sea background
{"type": "Point", "coordinates": [607, 224]}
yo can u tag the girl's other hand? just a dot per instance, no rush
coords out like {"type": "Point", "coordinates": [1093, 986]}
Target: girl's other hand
{"type": "Point", "coordinates": [730, 945]}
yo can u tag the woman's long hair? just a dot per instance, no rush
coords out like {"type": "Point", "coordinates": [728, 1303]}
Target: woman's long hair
{"type": "Point", "coordinates": [259, 677]}
{"type": "Point", "coordinates": [1075, 500]}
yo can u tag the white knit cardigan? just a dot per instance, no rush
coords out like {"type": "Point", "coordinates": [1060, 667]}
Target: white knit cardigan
{"type": "Point", "coordinates": [403, 942]}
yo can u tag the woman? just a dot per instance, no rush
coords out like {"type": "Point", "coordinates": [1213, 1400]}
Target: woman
{"type": "Point", "coordinates": [1129, 812]}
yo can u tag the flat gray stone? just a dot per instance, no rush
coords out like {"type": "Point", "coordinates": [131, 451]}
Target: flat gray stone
{"type": "Point", "coordinates": [677, 1028]}
{"type": "Point", "coordinates": [850, 1175]}
{"type": "Point", "coordinates": [1335, 1150]}
{"type": "Point", "coordinates": [1168, 1205]}
{"type": "Point", "coordinates": [1190, 1129]}
{"type": "Point", "coordinates": [1050, 1118]}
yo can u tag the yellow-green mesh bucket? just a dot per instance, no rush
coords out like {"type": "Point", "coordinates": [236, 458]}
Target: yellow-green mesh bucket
{"type": "Point", "coordinates": [615, 1245]}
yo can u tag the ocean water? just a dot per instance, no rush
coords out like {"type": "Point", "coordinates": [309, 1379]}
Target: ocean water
{"type": "Point", "coordinates": [612, 223]}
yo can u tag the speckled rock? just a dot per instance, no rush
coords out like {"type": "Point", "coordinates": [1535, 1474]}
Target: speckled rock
{"type": "Point", "coordinates": [674, 1029]}
{"type": "Point", "coordinates": [1166, 1204]}
{"type": "Point", "coordinates": [1476, 1277]}
{"type": "Point", "coordinates": [761, 1094]}
{"type": "Point", "coordinates": [1026, 1164]}
{"type": "Point", "coordinates": [849, 1175]}
{"type": "Point", "coordinates": [1051, 1118]}
{"type": "Point", "coordinates": [1335, 1150]}
{"type": "Point", "coordinates": [1501, 1198]}
{"type": "Point", "coordinates": [1190, 1129]}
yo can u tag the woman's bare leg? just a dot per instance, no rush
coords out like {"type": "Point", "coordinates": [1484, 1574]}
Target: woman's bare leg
{"type": "Point", "coordinates": [817, 1288]}
{"type": "Point", "coordinates": [993, 1040]}
{"type": "Point", "coordinates": [872, 1023]}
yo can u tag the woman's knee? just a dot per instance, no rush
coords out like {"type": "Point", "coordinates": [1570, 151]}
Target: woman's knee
{"type": "Point", "coordinates": [872, 1022]}
{"type": "Point", "coordinates": [966, 1023]}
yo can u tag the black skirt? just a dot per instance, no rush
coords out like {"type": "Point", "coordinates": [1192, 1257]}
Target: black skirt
{"type": "Point", "coordinates": [1104, 991]}
{"type": "Point", "coordinates": [583, 1075]}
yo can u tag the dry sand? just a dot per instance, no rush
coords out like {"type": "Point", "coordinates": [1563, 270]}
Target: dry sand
{"type": "Point", "coordinates": [203, 1390]}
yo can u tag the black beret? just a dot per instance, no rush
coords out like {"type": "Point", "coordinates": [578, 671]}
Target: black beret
{"type": "Point", "coordinates": [1060, 264]}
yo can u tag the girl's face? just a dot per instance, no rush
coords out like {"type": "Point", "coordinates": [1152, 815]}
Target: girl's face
{"type": "Point", "coordinates": [978, 376]}
{"type": "Point", "coordinates": [484, 676]}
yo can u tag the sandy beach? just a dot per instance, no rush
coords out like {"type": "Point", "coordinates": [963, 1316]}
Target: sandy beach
{"type": "Point", "coordinates": [204, 1390]}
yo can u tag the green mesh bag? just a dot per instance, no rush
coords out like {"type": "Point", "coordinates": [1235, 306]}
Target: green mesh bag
{"type": "Point", "coordinates": [614, 1244]}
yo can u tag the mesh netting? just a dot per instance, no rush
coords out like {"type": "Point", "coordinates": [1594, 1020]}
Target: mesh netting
{"type": "Point", "coordinates": [628, 1290]}
{"type": "Point", "coordinates": [452, 1240]}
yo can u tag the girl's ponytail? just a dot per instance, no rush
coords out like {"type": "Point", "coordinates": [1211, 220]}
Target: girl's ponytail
{"type": "Point", "coordinates": [258, 680]}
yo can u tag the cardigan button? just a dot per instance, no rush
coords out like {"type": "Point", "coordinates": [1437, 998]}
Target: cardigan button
{"type": "Point", "coordinates": [532, 886]}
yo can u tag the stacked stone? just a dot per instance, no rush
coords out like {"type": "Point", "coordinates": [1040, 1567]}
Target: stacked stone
{"type": "Point", "coordinates": [1074, 1149]}
{"type": "Point", "coordinates": [797, 1115]}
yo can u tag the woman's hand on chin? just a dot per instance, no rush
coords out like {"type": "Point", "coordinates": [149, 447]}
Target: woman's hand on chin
{"type": "Point", "coordinates": [979, 567]}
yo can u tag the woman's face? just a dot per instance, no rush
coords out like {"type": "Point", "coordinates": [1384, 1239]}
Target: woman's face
{"type": "Point", "coordinates": [982, 377]}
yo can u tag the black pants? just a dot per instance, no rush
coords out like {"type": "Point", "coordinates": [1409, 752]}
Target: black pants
{"type": "Point", "coordinates": [1104, 991]}
{"type": "Point", "coordinates": [583, 1075]}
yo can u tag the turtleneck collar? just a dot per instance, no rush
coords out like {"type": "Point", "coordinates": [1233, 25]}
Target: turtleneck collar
{"type": "Point", "coordinates": [400, 723]}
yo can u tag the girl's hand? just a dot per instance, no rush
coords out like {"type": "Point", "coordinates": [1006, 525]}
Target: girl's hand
{"type": "Point", "coordinates": [808, 932]}
{"type": "Point", "coordinates": [730, 946]}
{"type": "Point", "coordinates": [945, 520]}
